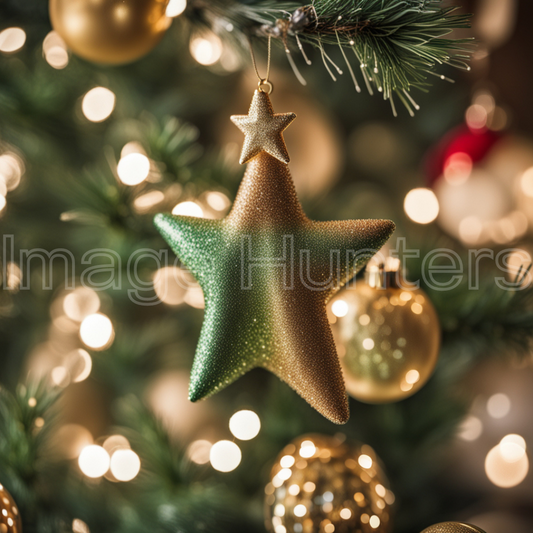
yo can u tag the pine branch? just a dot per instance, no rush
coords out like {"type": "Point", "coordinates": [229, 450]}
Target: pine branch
{"type": "Point", "coordinates": [396, 45]}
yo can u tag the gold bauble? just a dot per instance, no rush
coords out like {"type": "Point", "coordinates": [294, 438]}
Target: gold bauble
{"type": "Point", "coordinates": [321, 484]}
{"type": "Point", "coordinates": [387, 339]}
{"type": "Point", "coordinates": [110, 31]}
{"type": "Point", "coordinates": [9, 513]}
{"type": "Point", "coordinates": [453, 527]}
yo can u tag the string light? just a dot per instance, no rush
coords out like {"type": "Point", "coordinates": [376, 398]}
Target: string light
{"type": "Point", "coordinates": [421, 205]}
{"type": "Point", "coordinates": [80, 303]}
{"type": "Point", "coordinates": [98, 104]}
{"type": "Point", "coordinates": [175, 8]}
{"type": "Point", "coordinates": [498, 405]}
{"type": "Point", "coordinates": [96, 331]}
{"type": "Point", "coordinates": [339, 308]}
{"type": "Point", "coordinates": [245, 425]}
{"type": "Point", "coordinates": [217, 200]}
{"type": "Point", "coordinates": [94, 461]}
{"type": "Point", "coordinates": [507, 469]}
{"type": "Point", "coordinates": [188, 209]}
{"type": "Point", "coordinates": [79, 526]}
{"type": "Point", "coordinates": [225, 456]}
{"type": "Point", "coordinates": [148, 200]}
{"type": "Point", "coordinates": [55, 51]}
{"type": "Point", "coordinates": [207, 49]}
{"type": "Point", "coordinates": [133, 169]}
{"type": "Point", "coordinates": [11, 170]}
{"type": "Point", "coordinates": [125, 465]}
{"type": "Point", "coordinates": [71, 439]}
{"type": "Point", "coordinates": [199, 451]}
{"type": "Point", "coordinates": [170, 285]}
{"type": "Point", "coordinates": [471, 429]}
{"type": "Point", "coordinates": [12, 39]}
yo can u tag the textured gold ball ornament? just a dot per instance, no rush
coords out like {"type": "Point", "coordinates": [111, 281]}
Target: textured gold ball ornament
{"type": "Point", "coordinates": [453, 527]}
{"type": "Point", "coordinates": [266, 273]}
{"type": "Point", "coordinates": [388, 338]}
{"type": "Point", "coordinates": [110, 31]}
{"type": "Point", "coordinates": [321, 484]}
{"type": "Point", "coordinates": [9, 513]}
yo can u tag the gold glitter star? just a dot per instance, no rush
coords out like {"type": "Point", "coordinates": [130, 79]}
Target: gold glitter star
{"type": "Point", "coordinates": [263, 130]}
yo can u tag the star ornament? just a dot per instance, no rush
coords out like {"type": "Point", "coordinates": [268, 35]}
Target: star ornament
{"type": "Point", "coordinates": [263, 129]}
{"type": "Point", "coordinates": [267, 272]}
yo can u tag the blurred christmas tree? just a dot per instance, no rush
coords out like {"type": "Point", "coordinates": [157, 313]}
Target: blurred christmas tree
{"type": "Point", "coordinates": [122, 113]}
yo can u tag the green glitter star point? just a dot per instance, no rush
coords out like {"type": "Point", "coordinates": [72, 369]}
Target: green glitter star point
{"type": "Point", "coordinates": [266, 273]}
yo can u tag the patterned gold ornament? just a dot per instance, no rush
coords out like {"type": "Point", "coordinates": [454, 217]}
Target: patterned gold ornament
{"type": "Point", "coordinates": [110, 31]}
{"type": "Point", "coordinates": [387, 337]}
{"type": "Point", "coordinates": [453, 527]}
{"type": "Point", "coordinates": [9, 513]}
{"type": "Point", "coordinates": [266, 273]}
{"type": "Point", "coordinates": [321, 484]}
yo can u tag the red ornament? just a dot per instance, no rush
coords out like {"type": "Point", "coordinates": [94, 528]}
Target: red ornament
{"type": "Point", "coordinates": [474, 144]}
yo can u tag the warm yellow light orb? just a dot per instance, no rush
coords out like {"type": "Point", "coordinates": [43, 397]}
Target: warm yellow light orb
{"type": "Point", "coordinates": [98, 104]}
{"type": "Point", "coordinates": [133, 169]}
{"type": "Point", "coordinates": [245, 425]}
{"type": "Point", "coordinates": [96, 331]}
{"type": "Point", "coordinates": [12, 39]}
{"type": "Point", "coordinates": [225, 456]}
{"type": "Point", "coordinates": [94, 461]}
{"type": "Point", "coordinates": [421, 205]}
{"type": "Point", "coordinates": [125, 465]}
{"type": "Point", "coordinates": [175, 8]}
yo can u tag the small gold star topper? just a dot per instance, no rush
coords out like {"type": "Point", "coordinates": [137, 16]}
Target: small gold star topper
{"type": "Point", "coordinates": [263, 129]}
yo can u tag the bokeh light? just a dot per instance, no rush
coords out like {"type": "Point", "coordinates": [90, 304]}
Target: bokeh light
{"type": "Point", "coordinates": [458, 168]}
{"type": "Point", "coordinates": [188, 209]}
{"type": "Point", "coordinates": [217, 200]}
{"type": "Point", "coordinates": [199, 451]}
{"type": "Point", "coordinates": [79, 526]}
{"type": "Point", "coordinates": [98, 104]}
{"type": "Point", "coordinates": [133, 169]}
{"type": "Point", "coordinates": [421, 205]}
{"type": "Point", "coordinates": [339, 308]}
{"type": "Point", "coordinates": [94, 461]}
{"type": "Point", "coordinates": [12, 39]}
{"type": "Point", "coordinates": [70, 440]}
{"type": "Point", "coordinates": [55, 50]}
{"type": "Point", "coordinates": [80, 303]}
{"type": "Point", "coordinates": [114, 443]}
{"type": "Point", "coordinates": [146, 201]}
{"type": "Point", "coordinates": [471, 429]}
{"type": "Point", "coordinates": [175, 8]}
{"type": "Point", "coordinates": [526, 182]}
{"type": "Point", "coordinates": [96, 331]}
{"type": "Point", "coordinates": [11, 170]}
{"type": "Point", "coordinates": [225, 456]}
{"type": "Point", "coordinates": [171, 284]}
{"type": "Point", "coordinates": [206, 49]}
{"type": "Point", "coordinates": [498, 405]}
{"type": "Point", "coordinates": [245, 425]}
{"type": "Point", "coordinates": [513, 447]}
{"type": "Point", "coordinates": [125, 464]}
{"type": "Point", "coordinates": [504, 473]}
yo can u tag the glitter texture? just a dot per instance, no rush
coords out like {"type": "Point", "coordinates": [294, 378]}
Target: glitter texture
{"type": "Point", "coordinates": [388, 341]}
{"type": "Point", "coordinates": [263, 129]}
{"type": "Point", "coordinates": [266, 273]}
{"type": "Point", "coordinates": [327, 486]}
{"type": "Point", "coordinates": [453, 527]}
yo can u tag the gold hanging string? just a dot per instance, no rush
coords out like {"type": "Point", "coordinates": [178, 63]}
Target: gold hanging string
{"type": "Point", "coordinates": [263, 85]}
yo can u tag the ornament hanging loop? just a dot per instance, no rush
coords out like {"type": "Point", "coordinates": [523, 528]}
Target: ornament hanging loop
{"type": "Point", "coordinates": [263, 85]}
